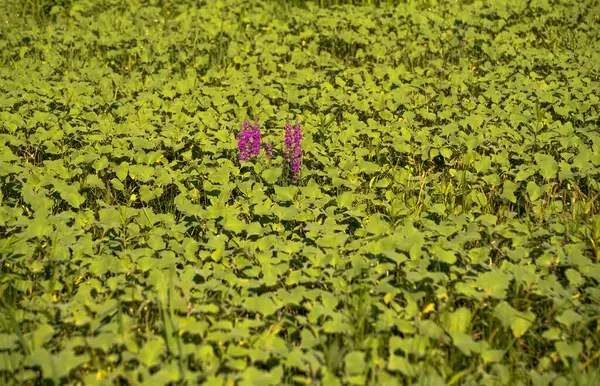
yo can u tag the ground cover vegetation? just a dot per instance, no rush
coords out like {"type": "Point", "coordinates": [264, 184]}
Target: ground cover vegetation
{"type": "Point", "coordinates": [439, 225]}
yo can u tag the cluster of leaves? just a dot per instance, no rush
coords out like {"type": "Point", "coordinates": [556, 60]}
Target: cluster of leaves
{"type": "Point", "coordinates": [444, 228]}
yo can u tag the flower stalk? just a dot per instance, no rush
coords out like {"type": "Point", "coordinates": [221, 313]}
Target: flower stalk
{"type": "Point", "coordinates": [249, 141]}
{"type": "Point", "coordinates": [293, 148]}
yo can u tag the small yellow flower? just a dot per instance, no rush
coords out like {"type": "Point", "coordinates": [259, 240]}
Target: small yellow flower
{"type": "Point", "coordinates": [303, 43]}
{"type": "Point", "coordinates": [429, 308]}
{"type": "Point", "coordinates": [100, 374]}
{"type": "Point", "coordinates": [387, 298]}
{"type": "Point", "coordinates": [133, 197]}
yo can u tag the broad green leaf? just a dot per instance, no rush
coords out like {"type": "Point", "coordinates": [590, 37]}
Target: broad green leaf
{"type": "Point", "coordinates": [386, 115]}
{"type": "Point", "coordinates": [233, 224]}
{"type": "Point", "coordinates": [444, 255]}
{"type": "Point", "coordinates": [508, 191]}
{"type": "Point", "coordinates": [475, 121]}
{"type": "Point", "coordinates": [457, 321]}
{"type": "Point", "coordinates": [492, 356]}
{"type": "Point", "coordinates": [568, 318]}
{"type": "Point", "coordinates": [110, 218]}
{"type": "Point", "coordinates": [494, 284]}
{"type": "Point", "coordinates": [377, 225]}
{"type": "Point", "coordinates": [569, 350]}
{"type": "Point", "coordinates": [519, 322]}
{"type": "Point", "coordinates": [403, 365]}
{"type": "Point", "coordinates": [71, 195]}
{"type": "Point", "coordinates": [151, 352]}
{"type": "Point", "coordinates": [446, 153]}
{"type": "Point", "coordinates": [522, 323]}
{"type": "Point", "coordinates": [122, 170]}
{"type": "Point", "coordinates": [271, 175]}
{"type": "Point", "coordinates": [355, 363]}
{"type": "Point", "coordinates": [418, 345]}
{"type": "Point", "coordinates": [534, 191]}
{"type": "Point", "coordinates": [345, 200]}
{"type": "Point", "coordinates": [368, 167]}
{"type": "Point", "coordinates": [94, 181]}
{"type": "Point", "coordinates": [547, 164]}
{"type": "Point", "coordinates": [285, 193]}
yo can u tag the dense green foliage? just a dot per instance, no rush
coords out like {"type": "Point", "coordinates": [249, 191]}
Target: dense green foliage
{"type": "Point", "coordinates": [444, 227]}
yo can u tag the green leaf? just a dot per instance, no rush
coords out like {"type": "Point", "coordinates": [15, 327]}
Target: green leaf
{"type": "Point", "coordinates": [143, 173]}
{"type": "Point", "coordinates": [100, 164]}
{"type": "Point", "coordinates": [418, 345]}
{"type": "Point", "coordinates": [466, 343]}
{"type": "Point", "coordinates": [430, 329]}
{"type": "Point", "coordinates": [547, 164]}
{"type": "Point", "coordinates": [475, 121]}
{"type": "Point", "coordinates": [263, 305]}
{"type": "Point", "coordinates": [168, 374]}
{"type": "Point", "coordinates": [534, 191]}
{"type": "Point", "coordinates": [494, 283]}
{"type": "Point", "coordinates": [487, 220]}
{"type": "Point", "coordinates": [569, 350]}
{"type": "Point", "coordinates": [122, 170]}
{"type": "Point", "coordinates": [439, 209]}
{"type": "Point", "coordinates": [367, 167]}
{"type": "Point", "coordinates": [39, 227]}
{"type": "Point", "coordinates": [42, 335]}
{"type": "Point", "coordinates": [271, 175]}
{"type": "Point", "coordinates": [492, 356]}
{"type": "Point", "coordinates": [519, 322]}
{"type": "Point", "coordinates": [568, 318]}
{"type": "Point", "coordinates": [56, 366]}
{"type": "Point", "coordinates": [156, 242]}
{"type": "Point", "coordinates": [508, 191]}
{"type": "Point", "coordinates": [151, 352]}
{"type": "Point", "coordinates": [355, 363]}
{"type": "Point", "coordinates": [553, 333]}
{"type": "Point", "coordinates": [444, 255]}
{"type": "Point", "coordinates": [146, 194]}
{"type": "Point", "coordinates": [575, 278]}
{"type": "Point", "coordinates": [286, 193]}
{"type": "Point", "coordinates": [232, 223]}
{"type": "Point", "coordinates": [285, 213]}
{"type": "Point", "coordinates": [386, 115]}
{"type": "Point", "coordinates": [94, 181]}
{"type": "Point", "coordinates": [9, 341]}
{"type": "Point", "coordinates": [220, 176]}
{"type": "Point", "coordinates": [71, 195]}
{"type": "Point", "coordinates": [446, 153]}
{"type": "Point", "coordinates": [377, 225]}
{"type": "Point", "coordinates": [117, 185]}
{"type": "Point", "coordinates": [457, 321]}
{"type": "Point", "coordinates": [403, 365]}
{"type": "Point", "coordinates": [522, 323]}
{"type": "Point", "coordinates": [345, 200]}
{"type": "Point", "coordinates": [110, 218]}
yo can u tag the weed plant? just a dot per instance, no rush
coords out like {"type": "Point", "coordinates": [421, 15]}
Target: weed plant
{"type": "Point", "coordinates": [437, 225]}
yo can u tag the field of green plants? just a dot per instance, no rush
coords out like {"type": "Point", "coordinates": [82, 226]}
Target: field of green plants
{"type": "Point", "coordinates": [443, 228]}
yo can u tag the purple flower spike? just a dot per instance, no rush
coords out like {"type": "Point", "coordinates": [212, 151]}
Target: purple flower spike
{"type": "Point", "coordinates": [249, 141]}
{"type": "Point", "coordinates": [269, 149]}
{"type": "Point", "coordinates": [293, 148]}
